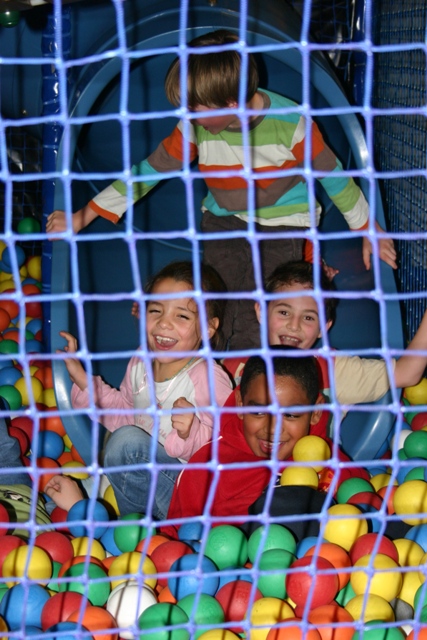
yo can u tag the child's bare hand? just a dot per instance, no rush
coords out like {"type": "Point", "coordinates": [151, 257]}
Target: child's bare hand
{"type": "Point", "coordinates": [74, 366]}
{"type": "Point", "coordinates": [64, 491]}
{"type": "Point", "coordinates": [56, 222]}
{"type": "Point", "coordinates": [182, 422]}
{"type": "Point", "coordinates": [386, 250]}
{"type": "Point", "coordinates": [136, 310]}
{"type": "Point", "coordinates": [330, 272]}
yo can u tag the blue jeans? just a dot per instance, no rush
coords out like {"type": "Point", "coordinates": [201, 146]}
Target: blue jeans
{"type": "Point", "coordinates": [141, 484]}
{"type": "Point", "coordinates": [10, 458]}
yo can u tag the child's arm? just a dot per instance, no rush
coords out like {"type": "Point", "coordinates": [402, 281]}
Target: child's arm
{"type": "Point", "coordinates": [64, 492]}
{"type": "Point", "coordinates": [410, 367]}
{"type": "Point", "coordinates": [57, 221]}
{"type": "Point", "coordinates": [182, 422]}
{"type": "Point", "coordinates": [74, 367]}
{"type": "Point", "coordinates": [386, 250]}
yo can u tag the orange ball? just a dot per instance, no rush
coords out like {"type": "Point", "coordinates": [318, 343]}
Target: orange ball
{"type": "Point", "coordinates": [382, 492]}
{"type": "Point", "coordinates": [78, 560]}
{"type": "Point", "coordinates": [293, 632]}
{"type": "Point", "coordinates": [419, 634]}
{"type": "Point", "coordinates": [4, 319]}
{"type": "Point", "coordinates": [65, 457]}
{"type": "Point", "coordinates": [53, 423]}
{"type": "Point", "coordinates": [45, 376]}
{"type": "Point", "coordinates": [46, 463]}
{"type": "Point", "coordinates": [336, 616]}
{"type": "Point", "coordinates": [166, 596]}
{"type": "Point", "coordinates": [96, 619]}
{"type": "Point", "coordinates": [155, 541]}
{"type": "Point", "coordinates": [11, 307]}
{"type": "Point", "coordinates": [337, 556]}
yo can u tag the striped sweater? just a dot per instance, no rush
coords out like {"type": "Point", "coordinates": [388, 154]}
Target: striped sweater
{"type": "Point", "coordinates": [274, 160]}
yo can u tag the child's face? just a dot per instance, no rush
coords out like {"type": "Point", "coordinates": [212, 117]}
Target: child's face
{"type": "Point", "coordinates": [217, 123]}
{"type": "Point", "coordinates": [173, 325]}
{"type": "Point", "coordinates": [259, 427]}
{"type": "Point", "coordinates": [293, 322]}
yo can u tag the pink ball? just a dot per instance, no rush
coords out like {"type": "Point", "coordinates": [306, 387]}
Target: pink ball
{"type": "Point", "coordinates": [299, 584]}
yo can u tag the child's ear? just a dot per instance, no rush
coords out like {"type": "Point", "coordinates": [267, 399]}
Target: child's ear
{"type": "Point", "coordinates": [239, 401]}
{"type": "Point", "coordinates": [328, 326]}
{"type": "Point", "coordinates": [213, 327]}
{"type": "Point", "coordinates": [317, 413]}
{"type": "Point", "coordinates": [232, 104]}
{"type": "Point", "coordinates": [258, 311]}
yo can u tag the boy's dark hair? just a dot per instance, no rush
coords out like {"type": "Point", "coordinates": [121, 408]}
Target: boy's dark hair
{"type": "Point", "coordinates": [213, 79]}
{"type": "Point", "coordinates": [301, 272]}
{"type": "Point", "coordinates": [211, 281]}
{"type": "Point", "coordinates": [302, 369]}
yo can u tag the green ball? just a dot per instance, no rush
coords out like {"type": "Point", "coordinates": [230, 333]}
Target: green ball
{"type": "Point", "coordinates": [276, 562]}
{"type": "Point", "coordinates": [401, 455]}
{"type": "Point", "coordinates": [88, 581]}
{"type": "Point", "coordinates": [414, 474]}
{"type": "Point", "coordinates": [28, 225]}
{"type": "Point", "coordinates": [9, 346]}
{"type": "Point", "coordinates": [9, 18]}
{"type": "Point", "coordinates": [127, 536]}
{"type": "Point", "coordinates": [345, 595]}
{"type": "Point", "coordinates": [379, 632]}
{"type": "Point", "coordinates": [415, 445]}
{"type": "Point", "coordinates": [350, 487]}
{"type": "Point", "coordinates": [420, 600]}
{"type": "Point", "coordinates": [163, 615]}
{"type": "Point", "coordinates": [208, 611]}
{"type": "Point", "coordinates": [53, 584]}
{"type": "Point", "coordinates": [227, 546]}
{"type": "Point", "coordinates": [277, 537]}
{"type": "Point", "coordinates": [11, 395]}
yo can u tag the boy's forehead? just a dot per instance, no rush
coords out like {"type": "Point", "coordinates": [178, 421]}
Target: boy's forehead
{"type": "Point", "coordinates": [261, 389]}
{"type": "Point", "coordinates": [306, 295]}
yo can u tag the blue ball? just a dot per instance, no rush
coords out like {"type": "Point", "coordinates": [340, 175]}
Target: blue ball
{"type": "Point", "coordinates": [419, 535]}
{"type": "Point", "coordinates": [305, 545]}
{"type": "Point", "coordinates": [6, 257]}
{"type": "Point", "coordinates": [14, 612]}
{"type": "Point", "coordinates": [230, 574]}
{"type": "Point", "coordinates": [33, 346]}
{"type": "Point", "coordinates": [9, 375]}
{"type": "Point", "coordinates": [190, 531]}
{"type": "Point", "coordinates": [34, 325]}
{"type": "Point", "coordinates": [50, 445]}
{"type": "Point", "coordinates": [90, 511]}
{"type": "Point", "coordinates": [192, 581]}
{"type": "Point", "coordinates": [108, 542]}
{"type": "Point", "coordinates": [374, 522]}
{"type": "Point", "coordinates": [6, 364]}
{"type": "Point", "coordinates": [58, 631]}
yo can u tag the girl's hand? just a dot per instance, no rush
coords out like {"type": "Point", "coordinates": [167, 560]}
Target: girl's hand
{"type": "Point", "coordinates": [64, 491]}
{"type": "Point", "coordinates": [136, 310]}
{"type": "Point", "coordinates": [182, 422]}
{"type": "Point", "coordinates": [74, 366]}
{"type": "Point", "coordinates": [386, 249]}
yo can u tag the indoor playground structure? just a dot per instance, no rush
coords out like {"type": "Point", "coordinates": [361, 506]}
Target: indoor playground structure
{"type": "Point", "coordinates": [82, 100]}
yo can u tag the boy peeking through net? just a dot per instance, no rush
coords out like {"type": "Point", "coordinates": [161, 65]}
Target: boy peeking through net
{"type": "Point", "coordinates": [253, 164]}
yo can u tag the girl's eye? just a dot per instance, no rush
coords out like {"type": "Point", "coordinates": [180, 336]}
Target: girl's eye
{"type": "Point", "coordinates": [181, 315]}
{"type": "Point", "coordinates": [309, 318]}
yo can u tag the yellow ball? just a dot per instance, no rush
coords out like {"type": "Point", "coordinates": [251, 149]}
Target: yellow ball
{"type": "Point", "coordinates": [83, 546]}
{"type": "Point", "coordinates": [109, 496]}
{"type": "Point", "coordinates": [344, 525]}
{"type": "Point", "coordinates": [67, 441]}
{"type": "Point", "coordinates": [37, 390]}
{"type": "Point", "coordinates": [375, 608]}
{"type": "Point", "coordinates": [33, 562]}
{"type": "Point", "coordinates": [409, 500]}
{"type": "Point", "coordinates": [34, 267]}
{"type": "Point", "coordinates": [4, 629]}
{"type": "Point", "coordinates": [48, 398]}
{"type": "Point", "coordinates": [3, 246]}
{"type": "Point", "coordinates": [265, 613]}
{"type": "Point", "coordinates": [312, 449]}
{"type": "Point", "coordinates": [382, 480]}
{"type": "Point", "coordinates": [421, 573]}
{"type": "Point", "coordinates": [219, 634]}
{"type": "Point", "coordinates": [410, 552]}
{"type": "Point", "coordinates": [7, 283]}
{"type": "Point", "coordinates": [418, 393]}
{"type": "Point", "coordinates": [74, 472]}
{"type": "Point", "coordinates": [23, 272]}
{"type": "Point", "coordinates": [378, 575]}
{"type": "Point", "coordinates": [132, 562]}
{"type": "Point", "coordinates": [299, 476]}
{"type": "Point", "coordinates": [410, 585]}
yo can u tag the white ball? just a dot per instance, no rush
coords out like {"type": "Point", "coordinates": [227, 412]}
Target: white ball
{"type": "Point", "coordinates": [126, 603]}
{"type": "Point", "coordinates": [404, 433]}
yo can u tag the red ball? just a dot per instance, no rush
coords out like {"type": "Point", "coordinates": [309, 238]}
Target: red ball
{"type": "Point", "coordinates": [4, 319]}
{"type": "Point", "coordinates": [33, 309]}
{"type": "Point", "coordinates": [165, 555]}
{"type": "Point", "coordinates": [419, 421]}
{"type": "Point", "coordinates": [57, 545]}
{"type": "Point", "coordinates": [366, 497]}
{"type": "Point", "coordinates": [59, 515]}
{"type": "Point", "coordinates": [8, 544]}
{"type": "Point", "coordinates": [4, 519]}
{"type": "Point", "coordinates": [364, 545]}
{"type": "Point", "coordinates": [25, 424]}
{"type": "Point", "coordinates": [60, 606]}
{"type": "Point", "coordinates": [235, 597]}
{"type": "Point", "coordinates": [299, 584]}
{"type": "Point", "coordinates": [21, 436]}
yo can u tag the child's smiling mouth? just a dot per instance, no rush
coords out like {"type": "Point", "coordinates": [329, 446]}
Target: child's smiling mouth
{"type": "Point", "coordinates": [267, 446]}
{"type": "Point", "coordinates": [290, 340]}
{"type": "Point", "coordinates": [164, 343]}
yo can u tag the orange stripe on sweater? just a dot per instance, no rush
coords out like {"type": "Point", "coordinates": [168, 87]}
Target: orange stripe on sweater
{"type": "Point", "coordinates": [174, 145]}
{"type": "Point", "coordinates": [112, 217]}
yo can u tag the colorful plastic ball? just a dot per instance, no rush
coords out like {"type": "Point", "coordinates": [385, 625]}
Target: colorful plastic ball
{"type": "Point", "coordinates": [219, 634]}
{"type": "Point", "coordinates": [11, 307]}
{"type": "Point", "coordinates": [21, 436]}
{"type": "Point", "coordinates": [312, 449]}
{"type": "Point", "coordinates": [65, 631]}
{"type": "Point", "coordinates": [235, 598]}
{"type": "Point", "coordinates": [352, 486]}
{"type": "Point", "coordinates": [75, 469]}
{"type": "Point", "coordinates": [203, 611]}
{"type": "Point", "coordinates": [56, 544]}
{"type": "Point", "coordinates": [165, 557]}
{"type": "Point", "coordinates": [28, 225]}
{"type": "Point", "coordinates": [85, 546]}
{"type": "Point", "coordinates": [370, 541]}
{"type": "Point", "coordinates": [150, 544]}
{"type": "Point", "coordinates": [9, 375]}
{"type": "Point", "coordinates": [420, 633]}
{"type": "Point", "coordinates": [90, 511]}
{"type": "Point", "coordinates": [34, 267]}
{"type": "Point", "coordinates": [6, 258]}
{"type": "Point", "coordinates": [417, 394]}
{"type": "Point", "coordinates": [409, 552]}
{"type": "Point", "coordinates": [107, 541]}
{"type": "Point", "coordinates": [411, 582]}
{"type": "Point", "coordinates": [344, 525]}
{"type": "Point", "coordinates": [45, 476]}
{"type": "Point", "coordinates": [376, 574]}
{"type": "Point", "coordinates": [109, 496]}
{"type": "Point", "coordinates": [53, 423]}
{"type": "Point", "coordinates": [25, 424]}
{"type": "Point", "coordinates": [419, 421]}
{"type": "Point", "coordinates": [4, 520]}
{"type": "Point", "coordinates": [345, 595]}
{"type": "Point", "coordinates": [379, 633]}
{"type": "Point", "coordinates": [339, 622]}
{"type": "Point", "coordinates": [409, 500]}
{"type": "Point", "coordinates": [275, 563]}
{"type": "Point", "coordinates": [337, 556]}
{"type": "Point", "coordinates": [418, 534]}
{"type": "Point", "coordinates": [4, 319]}
{"type": "Point", "coordinates": [36, 390]}
{"type": "Point", "coordinates": [35, 325]}
{"type": "Point", "coordinates": [371, 607]}
{"type": "Point", "coordinates": [299, 584]}
{"type": "Point", "coordinates": [22, 605]}
{"type": "Point", "coordinates": [129, 532]}
{"type": "Point", "coordinates": [276, 537]}
{"type": "Point", "coordinates": [50, 445]}
{"type": "Point", "coordinates": [88, 580]}
{"type": "Point", "coordinates": [60, 606]}
{"type": "Point", "coordinates": [415, 445]}
{"type": "Point", "coordinates": [299, 476]}
{"type": "Point", "coordinates": [10, 394]}
{"type": "Point", "coordinates": [231, 574]}
{"type": "Point", "coordinates": [127, 602]}
{"type": "Point", "coordinates": [305, 544]}
{"type": "Point", "coordinates": [227, 546]}
{"type": "Point", "coordinates": [167, 622]}
{"type": "Point", "coordinates": [8, 544]}
{"type": "Point", "coordinates": [96, 619]}
{"type": "Point", "coordinates": [190, 581]}
{"type": "Point", "coordinates": [398, 440]}
{"type": "Point", "coordinates": [34, 346]}
{"type": "Point", "coordinates": [293, 631]}
{"type": "Point", "coordinates": [190, 531]}
{"type": "Point", "coordinates": [129, 564]}
{"type": "Point", "coordinates": [366, 498]}
{"type": "Point", "coordinates": [265, 613]}
{"type": "Point", "coordinates": [32, 562]}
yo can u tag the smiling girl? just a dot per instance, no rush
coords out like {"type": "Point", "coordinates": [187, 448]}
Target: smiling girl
{"type": "Point", "coordinates": [179, 379]}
